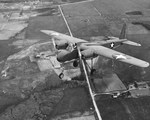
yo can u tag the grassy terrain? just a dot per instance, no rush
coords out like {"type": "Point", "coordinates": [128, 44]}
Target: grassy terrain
{"type": "Point", "coordinates": [55, 23]}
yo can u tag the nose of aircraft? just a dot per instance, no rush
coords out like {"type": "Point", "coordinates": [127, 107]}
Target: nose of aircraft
{"type": "Point", "coordinates": [49, 32]}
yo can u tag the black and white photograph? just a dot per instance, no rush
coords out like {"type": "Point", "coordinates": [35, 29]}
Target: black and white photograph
{"type": "Point", "coordinates": [74, 59]}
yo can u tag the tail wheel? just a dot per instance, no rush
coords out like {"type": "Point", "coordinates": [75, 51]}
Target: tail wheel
{"type": "Point", "coordinates": [75, 63]}
{"type": "Point", "coordinates": [61, 75]}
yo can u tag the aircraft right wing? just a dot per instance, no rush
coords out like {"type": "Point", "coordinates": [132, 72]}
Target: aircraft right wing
{"type": "Point", "coordinates": [109, 53]}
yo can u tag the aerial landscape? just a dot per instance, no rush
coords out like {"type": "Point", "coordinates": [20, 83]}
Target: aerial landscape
{"type": "Point", "coordinates": [74, 60]}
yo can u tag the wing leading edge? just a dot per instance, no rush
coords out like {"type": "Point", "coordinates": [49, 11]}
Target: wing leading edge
{"type": "Point", "coordinates": [62, 37]}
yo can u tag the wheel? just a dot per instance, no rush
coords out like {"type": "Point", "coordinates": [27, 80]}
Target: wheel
{"type": "Point", "coordinates": [75, 63]}
{"type": "Point", "coordinates": [61, 75]}
{"type": "Point", "coordinates": [92, 71]}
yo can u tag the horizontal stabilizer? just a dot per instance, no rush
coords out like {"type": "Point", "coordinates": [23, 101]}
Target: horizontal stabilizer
{"type": "Point", "coordinates": [131, 43]}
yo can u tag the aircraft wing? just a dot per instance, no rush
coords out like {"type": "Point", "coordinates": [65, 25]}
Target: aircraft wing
{"type": "Point", "coordinates": [62, 37]}
{"type": "Point", "coordinates": [109, 53]}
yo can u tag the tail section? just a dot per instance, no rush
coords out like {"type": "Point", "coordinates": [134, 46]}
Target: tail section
{"type": "Point", "coordinates": [123, 32]}
{"type": "Point", "coordinates": [21, 12]}
{"type": "Point", "coordinates": [123, 37]}
{"type": "Point", "coordinates": [131, 43]}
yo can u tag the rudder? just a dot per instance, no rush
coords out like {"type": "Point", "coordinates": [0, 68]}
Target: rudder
{"type": "Point", "coordinates": [123, 32]}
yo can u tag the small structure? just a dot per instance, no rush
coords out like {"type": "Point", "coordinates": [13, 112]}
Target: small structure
{"type": "Point", "coordinates": [139, 89]}
{"type": "Point", "coordinates": [138, 85]}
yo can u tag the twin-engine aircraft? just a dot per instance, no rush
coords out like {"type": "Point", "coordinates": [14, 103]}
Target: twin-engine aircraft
{"type": "Point", "coordinates": [68, 46]}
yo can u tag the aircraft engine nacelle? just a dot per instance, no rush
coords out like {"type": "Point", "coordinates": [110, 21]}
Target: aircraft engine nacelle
{"type": "Point", "coordinates": [61, 45]}
{"type": "Point", "coordinates": [65, 55]}
{"type": "Point", "coordinates": [89, 53]}
{"type": "Point", "coordinates": [75, 63]}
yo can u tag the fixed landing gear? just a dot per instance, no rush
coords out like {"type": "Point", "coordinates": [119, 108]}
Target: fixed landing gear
{"type": "Point", "coordinates": [93, 71]}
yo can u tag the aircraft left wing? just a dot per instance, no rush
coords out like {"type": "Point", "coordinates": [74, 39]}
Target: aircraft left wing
{"type": "Point", "coordinates": [109, 53]}
{"type": "Point", "coordinates": [62, 37]}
